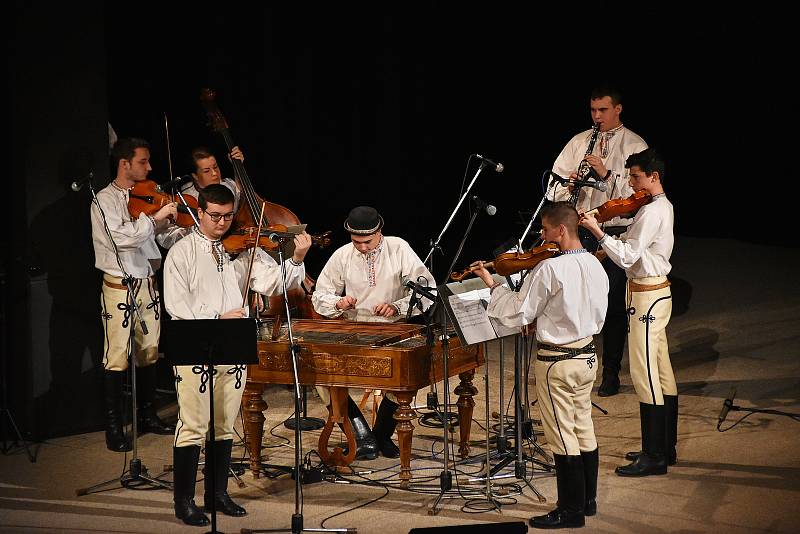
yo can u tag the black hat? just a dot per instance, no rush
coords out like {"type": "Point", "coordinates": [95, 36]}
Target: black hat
{"type": "Point", "coordinates": [363, 220]}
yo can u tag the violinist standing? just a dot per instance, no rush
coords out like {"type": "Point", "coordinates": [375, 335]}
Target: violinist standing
{"type": "Point", "coordinates": [644, 251]}
{"type": "Point", "coordinates": [614, 144]}
{"type": "Point", "coordinates": [565, 299]}
{"type": "Point", "coordinates": [202, 282]}
{"type": "Point", "coordinates": [206, 172]}
{"type": "Point", "coordinates": [136, 241]}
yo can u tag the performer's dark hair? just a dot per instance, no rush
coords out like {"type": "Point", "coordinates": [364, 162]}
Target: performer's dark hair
{"type": "Point", "coordinates": [199, 153]}
{"type": "Point", "coordinates": [649, 161]}
{"type": "Point", "coordinates": [125, 148]}
{"type": "Point", "coordinates": [216, 194]}
{"type": "Point", "coordinates": [614, 93]}
{"type": "Point", "coordinates": [562, 213]}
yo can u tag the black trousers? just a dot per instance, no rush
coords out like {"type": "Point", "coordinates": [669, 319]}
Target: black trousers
{"type": "Point", "coordinates": [615, 329]}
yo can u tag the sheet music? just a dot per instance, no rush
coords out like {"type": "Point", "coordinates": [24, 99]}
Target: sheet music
{"type": "Point", "coordinates": [469, 309]}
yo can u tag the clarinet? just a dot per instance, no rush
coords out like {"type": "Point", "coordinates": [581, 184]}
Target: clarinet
{"type": "Point", "coordinates": [585, 170]}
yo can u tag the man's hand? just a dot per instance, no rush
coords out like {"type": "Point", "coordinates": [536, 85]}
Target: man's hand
{"type": "Point", "coordinates": [236, 153]}
{"type": "Point", "coordinates": [236, 313]}
{"type": "Point", "coordinates": [590, 223]}
{"type": "Point", "coordinates": [385, 310]}
{"type": "Point", "coordinates": [483, 274]}
{"type": "Point", "coordinates": [346, 303]}
{"type": "Point", "coordinates": [167, 212]}
{"type": "Point", "coordinates": [597, 164]}
{"type": "Point", "coordinates": [302, 242]}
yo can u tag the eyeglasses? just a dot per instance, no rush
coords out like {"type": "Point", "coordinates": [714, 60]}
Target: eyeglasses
{"type": "Point", "coordinates": [217, 216]}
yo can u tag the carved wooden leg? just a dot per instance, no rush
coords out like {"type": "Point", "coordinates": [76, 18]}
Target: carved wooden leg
{"type": "Point", "coordinates": [337, 413]}
{"type": "Point", "coordinates": [253, 407]}
{"type": "Point", "coordinates": [405, 430]}
{"type": "Point", "coordinates": [465, 391]}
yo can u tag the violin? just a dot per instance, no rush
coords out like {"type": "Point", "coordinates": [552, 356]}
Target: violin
{"type": "Point", "coordinates": [246, 238]}
{"type": "Point", "coordinates": [620, 206]}
{"type": "Point", "coordinates": [146, 197]}
{"type": "Point", "coordinates": [509, 263]}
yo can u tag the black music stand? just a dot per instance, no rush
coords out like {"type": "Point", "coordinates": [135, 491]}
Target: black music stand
{"type": "Point", "coordinates": [203, 344]}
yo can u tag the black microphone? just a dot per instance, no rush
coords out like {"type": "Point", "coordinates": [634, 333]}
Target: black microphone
{"type": "Point", "coordinates": [422, 290]}
{"type": "Point", "coordinates": [600, 186]}
{"type": "Point", "coordinates": [498, 167]}
{"type": "Point", "coordinates": [78, 184]}
{"type": "Point", "coordinates": [726, 406]}
{"type": "Point", "coordinates": [172, 184]}
{"type": "Point", "coordinates": [490, 210]}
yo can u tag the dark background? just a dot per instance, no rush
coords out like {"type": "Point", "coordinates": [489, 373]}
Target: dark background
{"type": "Point", "coordinates": [338, 107]}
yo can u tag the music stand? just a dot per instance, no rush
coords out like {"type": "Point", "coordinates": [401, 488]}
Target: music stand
{"type": "Point", "coordinates": [203, 344]}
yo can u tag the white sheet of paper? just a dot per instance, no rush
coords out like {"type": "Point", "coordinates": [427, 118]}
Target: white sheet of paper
{"type": "Point", "coordinates": [469, 308]}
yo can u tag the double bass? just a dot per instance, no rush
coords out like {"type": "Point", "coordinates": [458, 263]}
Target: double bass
{"type": "Point", "coordinates": [246, 221]}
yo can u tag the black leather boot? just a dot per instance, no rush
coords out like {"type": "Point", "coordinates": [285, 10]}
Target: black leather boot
{"type": "Point", "coordinates": [384, 429]}
{"type": "Point", "coordinates": [652, 460]}
{"type": "Point", "coordinates": [184, 468]}
{"type": "Point", "coordinates": [366, 444]}
{"type": "Point", "coordinates": [671, 413]}
{"type": "Point", "coordinates": [610, 384]}
{"type": "Point", "coordinates": [115, 435]}
{"type": "Point", "coordinates": [569, 512]}
{"type": "Point", "coordinates": [222, 462]}
{"type": "Point", "coordinates": [591, 465]}
{"type": "Point", "coordinates": [148, 419]}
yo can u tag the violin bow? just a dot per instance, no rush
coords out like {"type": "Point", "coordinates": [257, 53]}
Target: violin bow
{"type": "Point", "coordinates": [253, 256]}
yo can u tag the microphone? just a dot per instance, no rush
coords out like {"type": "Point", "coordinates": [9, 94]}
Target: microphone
{"type": "Point", "coordinates": [498, 167]}
{"type": "Point", "coordinates": [490, 210]}
{"type": "Point", "coordinates": [422, 290]}
{"type": "Point", "coordinates": [726, 406]}
{"type": "Point", "coordinates": [78, 184]}
{"type": "Point", "coordinates": [172, 184]}
{"type": "Point", "coordinates": [600, 186]}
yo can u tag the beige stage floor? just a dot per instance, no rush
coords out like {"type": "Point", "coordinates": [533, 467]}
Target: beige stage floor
{"type": "Point", "coordinates": [738, 327]}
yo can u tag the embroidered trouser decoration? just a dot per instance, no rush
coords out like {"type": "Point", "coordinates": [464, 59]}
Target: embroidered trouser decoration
{"type": "Point", "coordinates": [117, 314]}
{"type": "Point", "coordinates": [564, 391]}
{"type": "Point", "coordinates": [651, 369]}
{"type": "Point", "coordinates": [191, 385]}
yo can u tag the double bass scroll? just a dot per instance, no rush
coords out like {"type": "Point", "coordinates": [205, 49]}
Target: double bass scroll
{"type": "Point", "coordinates": [245, 223]}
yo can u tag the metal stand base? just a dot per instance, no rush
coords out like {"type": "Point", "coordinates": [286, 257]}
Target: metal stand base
{"type": "Point", "coordinates": [5, 413]}
{"type": "Point", "coordinates": [136, 477]}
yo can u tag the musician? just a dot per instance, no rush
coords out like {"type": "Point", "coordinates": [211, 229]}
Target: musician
{"type": "Point", "coordinates": [202, 282]}
{"type": "Point", "coordinates": [207, 172]}
{"type": "Point", "coordinates": [364, 281]}
{"type": "Point", "coordinates": [136, 241]}
{"type": "Point", "coordinates": [565, 299]}
{"type": "Point", "coordinates": [614, 144]}
{"type": "Point", "coordinates": [644, 251]}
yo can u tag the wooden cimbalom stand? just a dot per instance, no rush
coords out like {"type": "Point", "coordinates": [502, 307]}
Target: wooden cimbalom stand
{"type": "Point", "coordinates": [389, 356]}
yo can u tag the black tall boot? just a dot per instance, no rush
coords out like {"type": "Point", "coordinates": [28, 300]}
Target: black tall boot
{"type": "Point", "coordinates": [652, 460]}
{"type": "Point", "coordinates": [115, 435]}
{"type": "Point", "coordinates": [671, 407]}
{"type": "Point", "coordinates": [671, 414]}
{"type": "Point", "coordinates": [146, 392]}
{"type": "Point", "coordinates": [222, 462]}
{"type": "Point", "coordinates": [366, 444]}
{"type": "Point", "coordinates": [384, 429]}
{"type": "Point", "coordinates": [569, 512]}
{"type": "Point", "coordinates": [591, 464]}
{"type": "Point", "coordinates": [184, 468]}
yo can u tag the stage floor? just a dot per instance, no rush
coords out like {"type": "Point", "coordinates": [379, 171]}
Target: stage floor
{"type": "Point", "coordinates": [735, 324]}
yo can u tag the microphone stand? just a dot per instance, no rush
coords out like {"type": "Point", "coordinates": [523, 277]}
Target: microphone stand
{"type": "Point", "coordinates": [297, 517]}
{"type": "Point", "coordinates": [137, 475]}
{"type": "Point", "coordinates": [432, 400]}
{"type": "Point", "coordinates": [446, 477]}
